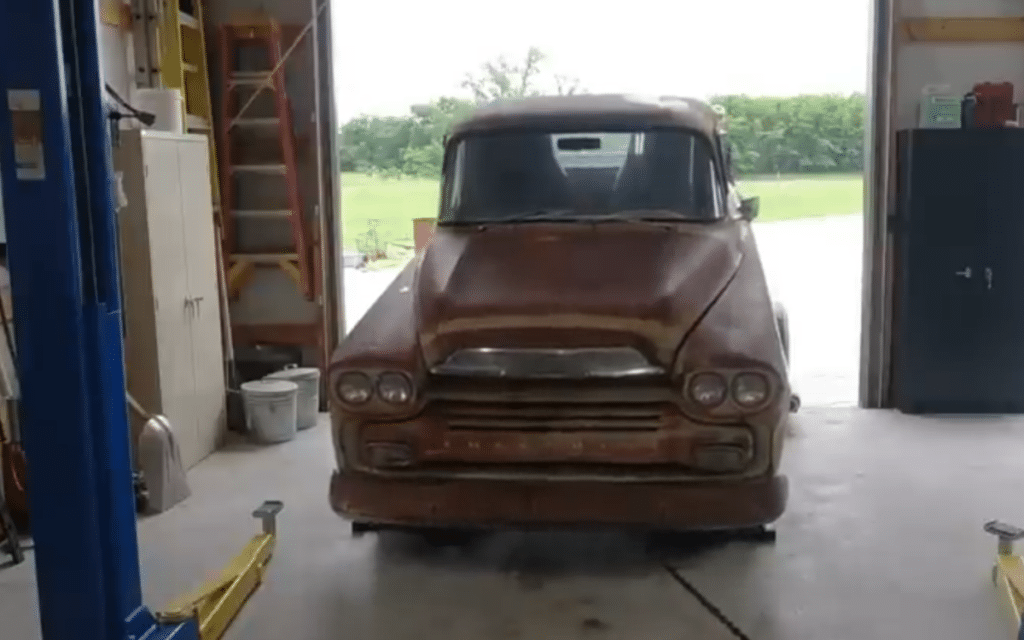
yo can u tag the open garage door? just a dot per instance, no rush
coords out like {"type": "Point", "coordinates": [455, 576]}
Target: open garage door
{"type": "Point", "coordinates": [798, 138]}
{"type": "Point", "coordinates": [281, 296]}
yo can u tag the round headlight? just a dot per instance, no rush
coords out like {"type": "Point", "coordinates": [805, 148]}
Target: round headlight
{"type": "Point", "coordinates": [708, 389]}
{"type": "Point", "coordinates": [394, 388]}
{"type": "Point", "coordinates": [750, 389]}
{"type": "Point", "coordinates": [355, 388]}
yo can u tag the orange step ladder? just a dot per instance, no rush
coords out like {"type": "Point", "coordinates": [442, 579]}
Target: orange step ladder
{"type": "Point", "coordinates": [248, 36]}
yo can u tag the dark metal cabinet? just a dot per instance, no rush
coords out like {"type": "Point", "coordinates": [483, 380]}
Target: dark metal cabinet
{"type": "Point", "coordinates": [958, 335]}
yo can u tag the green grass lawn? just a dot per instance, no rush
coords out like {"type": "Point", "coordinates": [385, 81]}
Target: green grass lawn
{"type": "Point", "coordinates": [388, 206]}
{"type": "Point", "coordinates": [791, 197]}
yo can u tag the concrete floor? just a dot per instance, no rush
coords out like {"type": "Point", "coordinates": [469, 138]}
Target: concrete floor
{"type": "Point", "coordinates": [882, 539]}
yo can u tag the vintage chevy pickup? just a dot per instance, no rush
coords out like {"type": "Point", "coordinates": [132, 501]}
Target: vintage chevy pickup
{"type": "Point", "coordinates": [588, 339]}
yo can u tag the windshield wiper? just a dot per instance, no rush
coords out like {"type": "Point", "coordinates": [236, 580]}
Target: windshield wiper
{"type": "Point", "coordinates": [636, 217]}
{"type": "Point", "coordinates": [662, 215]}
{"type": "Point", "coordinates": [540, 215]}
{"type": "Point", "coordinates": [575, 216]}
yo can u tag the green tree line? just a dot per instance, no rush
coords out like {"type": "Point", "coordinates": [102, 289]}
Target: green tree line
{"type": "Point", "coordinates": [769, 135]}
{"type": "Point", "coordinates": [799, 134]}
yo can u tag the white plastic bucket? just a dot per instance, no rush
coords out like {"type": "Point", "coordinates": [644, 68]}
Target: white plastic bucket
{"type": "Point", "coordinates": [271, 409]}
{"type": "Point", "coordinates": [308, 380]}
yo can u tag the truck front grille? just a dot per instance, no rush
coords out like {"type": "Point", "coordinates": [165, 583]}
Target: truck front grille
{"type": "Point", "coordinates": [551, 416]}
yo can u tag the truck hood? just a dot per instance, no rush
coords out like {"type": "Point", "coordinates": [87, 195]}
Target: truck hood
{"type": "Point", "coordinates": [571, 285]}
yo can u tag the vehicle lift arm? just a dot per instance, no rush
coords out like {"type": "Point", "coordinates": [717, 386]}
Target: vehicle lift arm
{"type": "Point", "coordinates": [1008, 572]}
{"type": "Point", "coordinates": [56, 175]}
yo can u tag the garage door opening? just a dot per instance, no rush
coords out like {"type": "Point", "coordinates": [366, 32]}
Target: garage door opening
{"type": "Point", "coordinates": [794, 101]}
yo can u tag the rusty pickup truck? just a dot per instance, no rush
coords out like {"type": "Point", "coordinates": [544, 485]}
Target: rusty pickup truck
{"type": "Point", "coordinates": [588, 338]}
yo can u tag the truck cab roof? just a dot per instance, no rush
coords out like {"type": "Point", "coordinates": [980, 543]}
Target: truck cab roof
{"type": "Point", "coordinates": [591, 112]}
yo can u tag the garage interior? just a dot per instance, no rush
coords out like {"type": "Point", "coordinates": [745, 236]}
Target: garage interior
{"type": "Point", "coordinates": [883, 534]}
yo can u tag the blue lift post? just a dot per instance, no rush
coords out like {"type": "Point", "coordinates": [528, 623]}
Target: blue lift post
{"type": "Point", "coordinates": [56, 170]}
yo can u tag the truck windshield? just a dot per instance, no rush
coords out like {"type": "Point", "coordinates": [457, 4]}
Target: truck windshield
{"type": "Point", "coordinates": [533, 176]}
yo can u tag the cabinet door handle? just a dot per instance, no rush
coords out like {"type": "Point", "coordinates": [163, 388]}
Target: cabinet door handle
{"type": "Point", "coordinates": [966, 273]}
{"type": "Point", "coordinates": [988, 277]}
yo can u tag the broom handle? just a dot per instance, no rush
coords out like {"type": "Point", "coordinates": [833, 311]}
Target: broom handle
{"type": "Point", "coordinates": [137, 407]}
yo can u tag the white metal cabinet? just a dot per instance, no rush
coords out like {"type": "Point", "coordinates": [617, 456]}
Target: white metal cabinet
{"type": "Point", "coordinates": [173, 348]}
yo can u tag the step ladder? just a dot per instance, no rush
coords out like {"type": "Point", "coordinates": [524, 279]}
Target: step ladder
{"type": "Point", "coordinates": [182, 53]}
{"type": "Point", "coordinates": [238, 38]}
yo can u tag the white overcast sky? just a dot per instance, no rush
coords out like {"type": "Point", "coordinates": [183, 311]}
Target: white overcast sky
{"type": "Point", "coordinates": [390, 55]}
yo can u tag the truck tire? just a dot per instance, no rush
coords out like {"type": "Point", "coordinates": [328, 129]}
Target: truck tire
{"type": "Point", "coordinates": [782, 322]}
{"type": "Point", "coordinates": [441, 538]}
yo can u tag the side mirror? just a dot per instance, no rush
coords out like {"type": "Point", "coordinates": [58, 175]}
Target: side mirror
{"type": "Point", "coordinates": [750, 207]}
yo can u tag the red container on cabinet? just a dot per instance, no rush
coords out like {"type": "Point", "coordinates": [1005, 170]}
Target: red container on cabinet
{"type": "Point", "coordinates": [994, 104]}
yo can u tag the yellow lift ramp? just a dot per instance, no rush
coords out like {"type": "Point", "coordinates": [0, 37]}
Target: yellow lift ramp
{"type": "Point", "coordinates": [216, 604]}
{"type": "Point", "coordinates": [1008, 572]}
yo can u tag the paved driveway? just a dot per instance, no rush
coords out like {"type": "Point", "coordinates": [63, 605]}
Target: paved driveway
{"type": "Point", "coordinates": [814, 267]}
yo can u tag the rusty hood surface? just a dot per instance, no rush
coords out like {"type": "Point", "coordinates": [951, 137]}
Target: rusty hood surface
{"type": "Point", "coordinates": [643, 285]}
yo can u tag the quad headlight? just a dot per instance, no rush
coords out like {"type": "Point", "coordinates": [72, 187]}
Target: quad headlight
{"type": "Point", "coordinates": [357, 388]}
{"type": "Point", "coordinates": [708, 389]}
{"type": "Point", "coordinates": [750, 389]}
{"type": "Point", "coordinates": [394, 388]}
{"type": "Point", "coordinates": [746, 389]}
